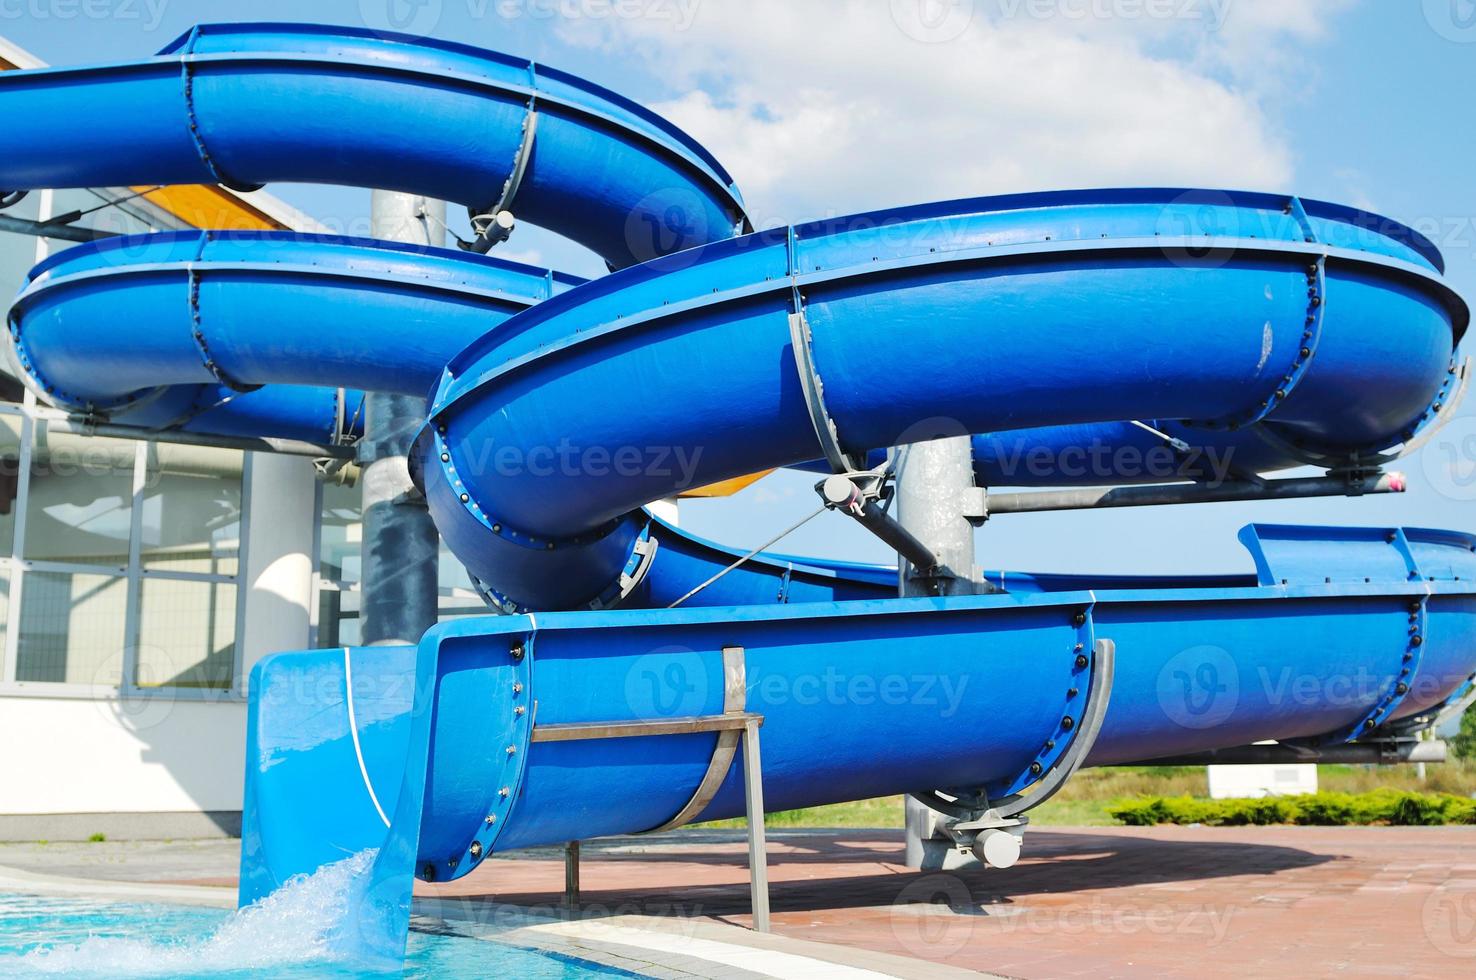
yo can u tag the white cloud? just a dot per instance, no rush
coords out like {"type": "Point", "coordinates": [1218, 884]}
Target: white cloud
{"type": "Point", "coordinates": [823, 107]}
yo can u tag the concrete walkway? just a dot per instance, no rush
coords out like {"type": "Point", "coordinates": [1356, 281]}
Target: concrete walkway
{"type": "Point", "coordinates": [1114, 902]}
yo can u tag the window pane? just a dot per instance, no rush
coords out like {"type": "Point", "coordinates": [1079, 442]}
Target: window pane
{"type": "Point", "coordinates": [192, 509]}
{"type": "Point", "coordinates": [4, 612]}
{"type": "Point", "coordinates": [17, 252]}
{"type": "Point", "coordinates": [10, 440]}
{"type": "Point", "coordinates": [338, 618]}
{"type": "Point", "coordinates": [186, 634]}
{"type": "Point", "coordinates": [81, 499]}
{"type": "Point", "coordinates": [71, 628]}
{"type": "Point", "coordinates": [338, 544]}
{"type": "Point", "coordinates": [122, 219]}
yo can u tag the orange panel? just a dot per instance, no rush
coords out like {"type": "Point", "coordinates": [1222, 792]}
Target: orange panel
{"type": "Point", "coordinates": [210, 207]}
{"type": "Point", "coordinates": [728, 487]}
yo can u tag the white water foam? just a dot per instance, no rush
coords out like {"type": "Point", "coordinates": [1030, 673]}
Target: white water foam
{"type": "Point", "coordinates": [297, 924]}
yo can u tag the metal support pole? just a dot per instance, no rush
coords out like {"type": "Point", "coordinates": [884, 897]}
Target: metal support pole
{"type": "Point", "coordinates": [1355, 485]}
{"type": "Point", "coordinates": [571, 875]}
{"type": "Point", "coordinates": [933, 482]}
{"type": "Point", "coordinates": [758, 857]}
{"type": "Point", "coordinates": [401, 547]}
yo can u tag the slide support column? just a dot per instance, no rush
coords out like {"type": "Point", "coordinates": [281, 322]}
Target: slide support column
{"type": "Point", "coordinates": [934, 480]}
{"type": "Point", "coordinates": [401, 546]}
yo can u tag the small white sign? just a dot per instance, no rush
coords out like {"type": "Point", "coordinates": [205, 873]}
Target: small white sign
{"type": "Point", "coordinates": [1235, 782]}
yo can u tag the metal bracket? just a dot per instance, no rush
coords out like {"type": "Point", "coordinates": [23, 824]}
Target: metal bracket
{"type": "Point", "coordinates": [494, 225]}
{"type": "Point", "coordinates": [973, 505]}
{"type": "Point", "coordinates": [842, 493]}
{"type": "Point", "coordinates": [735, 697]}
{"type": "Point", "coordinates": [966, 811]}
{"type": "Point", "coordinates": [641, 556]}
{"type": "Point", "coordinates": [814, 392]}
{"type": "Point", "coordinates": [1419, 622]}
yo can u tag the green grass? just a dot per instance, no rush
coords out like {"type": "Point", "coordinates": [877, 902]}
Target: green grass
{"type": "Point", "coordinates": [1090, 796]}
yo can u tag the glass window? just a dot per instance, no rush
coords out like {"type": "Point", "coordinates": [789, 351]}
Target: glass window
{"type": "Point", "coordinates": [113, 218]}
{"type": "Point", "coordinates": [191, 519]}
{"type": "Point", "coordinates": [187, 634]}
{"type": "Point", "coordinates": [80, 504]}
{"type": "Point", "coordinates": [340, 534]}
{"type": "Point", "coordinates": [4, 611]}
{"type": "Point", "coordinates": [18, 252]}
{"type": "Point", "coordinates": [71, 628]}
{"type": "Point", "coordinates": [11, 427]}
{"type": "Point", "coordinates": [338, 618]}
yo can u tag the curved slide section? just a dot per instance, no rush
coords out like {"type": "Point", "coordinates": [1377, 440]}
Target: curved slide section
{"type": "Point", "coordinates": [1059, 310]}
{"type": "Point", "coordinates": [374, 110]}
{"type": "Point", "coordinates": [196, 321]}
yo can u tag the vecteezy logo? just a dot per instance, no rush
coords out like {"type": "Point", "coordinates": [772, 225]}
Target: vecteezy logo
{"type": "Point", "coordinates": [1449, 918]}
{"type": "Point", "coordinates": [1454, 20]}
{"type": "Point", "coordinates": [1200, 228]}
{"type": "Point", "coordinates": [667, 683]}
{"type": "Point", "coordinates": [401, 16]}
{"type": "Point", "coordinates": [668, 225]}
{"type": "Point", "coordinates": [933, 21]}
{"type": "Point", "coordinates": [1450, 460]}
{"type": "Point", "coordinates": [1199, 687]}
{"type": "Point", "coordinates": [932, 916]}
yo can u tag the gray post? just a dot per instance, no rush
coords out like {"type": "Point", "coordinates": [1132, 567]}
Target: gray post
{"type": "Point", "coordinates": [758, 851]}
{"type": "Point", "coordinates": [401, 547]}
{"type": "Point", "coordinates": [571, 875]}
{"type": "Point", "coordinates": [933, 479]}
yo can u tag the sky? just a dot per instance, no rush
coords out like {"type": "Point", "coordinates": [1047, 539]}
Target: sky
{"type": "Point", "coordinates": [829, 107]}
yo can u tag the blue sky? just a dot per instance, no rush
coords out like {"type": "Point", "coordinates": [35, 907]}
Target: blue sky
{"type": "Point", "coordinates": [833, 107]}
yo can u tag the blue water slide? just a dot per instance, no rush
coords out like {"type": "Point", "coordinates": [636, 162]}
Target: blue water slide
{"type": "Point", "coordinates": [246, 104]}
{"type": "Point", "coordinates": [1341, 632]}
{"type": "Point", "coordinates": [1264, 329]}
{"type": "Point", "coordinates": [180, 328]}
{"type": "Point", "coordinates": [1055, 310]}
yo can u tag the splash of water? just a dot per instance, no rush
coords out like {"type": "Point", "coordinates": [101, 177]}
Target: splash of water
{"type": "Point", "coordinates": [300, 923]}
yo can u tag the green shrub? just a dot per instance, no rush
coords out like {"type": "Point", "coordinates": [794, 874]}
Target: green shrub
{"type": "Point", "coordinates": [1461, 810]}
{"type": "Point", "coordinates": [1382, 806]}
{"type": "Point", "coordinates": [1417, 810]}
{"type": "Point", "coordinates": [1257, 812]}
{"type": "Point", "coordinates": [1327, 809]}
{"type": "Point", "coordinates": [1140, 813]}
{"type": "Point", "coordinates": [98, 838]}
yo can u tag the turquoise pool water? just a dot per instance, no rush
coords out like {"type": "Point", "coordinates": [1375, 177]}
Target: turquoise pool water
{"type": "Point", "coordinates": [292, 934]}
{"type": "Point", "coordinates": [64, 937]}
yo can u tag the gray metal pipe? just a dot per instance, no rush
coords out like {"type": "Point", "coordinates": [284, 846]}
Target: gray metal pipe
{"type": "Point", "coordinates": [842, 493]}
{"type": "Point", "coordinates": [401, 547]}
{"type": "Point", "coordinates": [283, 447]}
{"type": "Point", "coordinates": [1194, 493]}
{"type": "Point", "coordinates": [1354, 753]}
{"type": "Point", "coordinates": [69, 233]}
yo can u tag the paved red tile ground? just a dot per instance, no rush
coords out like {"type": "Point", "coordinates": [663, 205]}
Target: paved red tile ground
{"type": "Point", "coordinates": [1122, 902]}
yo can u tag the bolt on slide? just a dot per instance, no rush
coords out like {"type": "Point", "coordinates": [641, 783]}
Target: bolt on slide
{"type": "Point", "coordinates": [1240, 333]}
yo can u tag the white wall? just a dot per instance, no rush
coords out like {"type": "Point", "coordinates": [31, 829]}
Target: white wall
{"type": "Point", "coordinates": [154, 755]}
